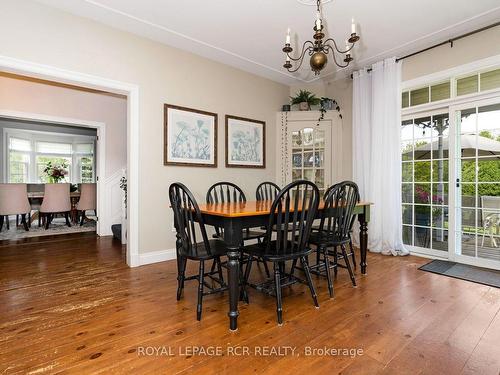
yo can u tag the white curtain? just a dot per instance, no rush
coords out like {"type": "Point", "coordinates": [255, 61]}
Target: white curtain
{"type": "Point", "coordinates": [376, 152]}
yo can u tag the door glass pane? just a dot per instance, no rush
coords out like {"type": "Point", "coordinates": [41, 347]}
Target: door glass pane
{"type": "Point", "coordinates": [308, 159]}
{"type": "Point", "coordinates": [407, 235]}
{"type": "Point", "coordinates": [422, 237]}
{"type": "Point", "coordinates": [296, 139]}
{"type": "Point", "coordinates": [319, 159]}
{"type": "Point", "coordinates": [319, 138]}
{"type": "Point", "coordinates": [407, 171]}
{"type": "Point", "coordinates": [308, 137]}
{"type": "Point", "coordinates": [440, 239]}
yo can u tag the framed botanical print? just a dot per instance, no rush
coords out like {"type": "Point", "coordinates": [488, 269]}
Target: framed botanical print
{"type": "Point", "coordinates": [190, 137]}
{"type": "Point", "coordinates": [245, 142]}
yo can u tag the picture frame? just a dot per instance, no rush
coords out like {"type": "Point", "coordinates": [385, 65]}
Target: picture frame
{"type": "Point", "coordinates": [245, 142]}
{"type": "Point", "coordinates": [190, 137]}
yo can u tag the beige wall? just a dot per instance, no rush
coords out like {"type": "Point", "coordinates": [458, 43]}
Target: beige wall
{"type": "Point", "coordinates": [474, 47]}
{"type": "Point", "coordinates": [38, 97]}
{"type": "Point", "coordinates": [41, 34]}
{"type": "Point", "coordinates": [341, 91]}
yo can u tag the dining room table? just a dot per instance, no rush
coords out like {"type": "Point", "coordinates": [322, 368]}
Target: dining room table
{"type": "Point", "coordinates": [37, 196]}
{"type": "Point", "coordinates": [237, 216]}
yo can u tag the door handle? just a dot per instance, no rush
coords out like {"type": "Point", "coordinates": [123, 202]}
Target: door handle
{"type": "Point", "coordinates": [458, 182]}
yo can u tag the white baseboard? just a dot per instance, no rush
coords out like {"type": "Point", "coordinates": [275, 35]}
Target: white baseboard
{"type": "Point", "coordinates": [156, 256]}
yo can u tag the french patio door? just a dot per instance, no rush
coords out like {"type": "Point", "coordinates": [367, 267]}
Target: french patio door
{"type": "Point", "coordinates": [476, 183]}
{"type": "Point", "coordinates": [451, 183]}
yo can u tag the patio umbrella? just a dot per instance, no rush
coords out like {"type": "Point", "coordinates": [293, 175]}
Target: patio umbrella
{"type": "Point", "coordinates": [485, 146]}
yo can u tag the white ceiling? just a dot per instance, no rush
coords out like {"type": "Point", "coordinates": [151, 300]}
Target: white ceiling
{"type": "Point", "coordinates": [250, 34]}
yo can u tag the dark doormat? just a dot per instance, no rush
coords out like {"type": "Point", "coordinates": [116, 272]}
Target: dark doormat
{"type": "Point", "coordinates": [463, 271]}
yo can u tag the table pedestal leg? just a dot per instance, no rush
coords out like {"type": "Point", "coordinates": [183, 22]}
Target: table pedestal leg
{"type": "Point", "coordinates": [363, 241]}
{"type": "Point", "coordinates": [233, 264]}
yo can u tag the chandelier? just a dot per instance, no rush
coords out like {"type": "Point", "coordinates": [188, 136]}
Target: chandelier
{"type": "Point", "coordinates": [318, 49]}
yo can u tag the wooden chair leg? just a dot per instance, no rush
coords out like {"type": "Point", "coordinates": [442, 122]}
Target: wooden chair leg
{"type": "Point", "coordinates": [244, 293]}
{"type": "Point", "coordinates": [348, 265]}
{"type": "Point", "coordinates": [266, 268]}
{"type": "Point", "coordinates": [8, 223]}
{"type": "Point", "coordinates": [180, 276]}
{"type": "Point", "coordinates": [200, 290]}
{"type": "Point", "coordinates": [24, 222]}
{"type": "Point", "coordinates": [335, 260]}
{"type": "Point", "coordinates": [47, 220]}
{"type": "Point", "coordinates": [66, 216]}
{"type": "Point", "coordinates": [307, 271]}
{"type": "Point", "coordinates": [83, 218]}
{"type": "Point", "coordinates": [1, 222]}
{"type": "Point", "coordinates": [277, 285]}
{"type": "Point", "coordinates": [17, 221]}
{"type": "Point", "coordinates": [328, 271]}
{"type": "Point", "coordinates": [219, 270]}
{"type": "Point", "coordinates": [353, 254]}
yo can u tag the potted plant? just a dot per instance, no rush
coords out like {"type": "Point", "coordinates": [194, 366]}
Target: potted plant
{"type": "Point", "coordinates": [55, 172]}
{"type": "Point", "coordinates": [305, 99]}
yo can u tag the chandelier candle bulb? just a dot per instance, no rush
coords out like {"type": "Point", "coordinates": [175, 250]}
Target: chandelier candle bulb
{"type": "Point", "coordinates": [353, 27]}
{"type": "Point", "coordinates": [318, 21]}
{"type": "Point", "coordinates": [288, 36]}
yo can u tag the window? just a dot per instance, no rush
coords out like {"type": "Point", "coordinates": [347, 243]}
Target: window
{"type": "Point", "coordinates": [453, 87]}
{"type": "Point", "coordinates": [29, 154]}
{"type": "Point", "coordinates": [19, 155]}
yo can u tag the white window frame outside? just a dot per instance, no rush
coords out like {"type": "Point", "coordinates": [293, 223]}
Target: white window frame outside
{"type": "Point", "coordinates": [36, 136]}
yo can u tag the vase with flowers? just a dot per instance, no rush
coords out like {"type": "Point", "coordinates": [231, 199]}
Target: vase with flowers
{"type": "Point", "coordinates": [55, 172]}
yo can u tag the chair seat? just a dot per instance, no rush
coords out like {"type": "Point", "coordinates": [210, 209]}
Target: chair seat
{"type": "Point", "coordinates": [324, 239]}
{"type": "Point", "coordinates": [259, 250]}
{"type": "Point", "coordinates": [199, 252]}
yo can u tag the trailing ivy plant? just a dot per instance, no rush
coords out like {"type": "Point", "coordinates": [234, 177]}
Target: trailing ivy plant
{"type": "Point", "coordinates": [323, 110]}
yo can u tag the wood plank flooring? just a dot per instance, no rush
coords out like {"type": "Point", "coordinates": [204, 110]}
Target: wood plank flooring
{"type": "Point", "coordinates": [69, 304]}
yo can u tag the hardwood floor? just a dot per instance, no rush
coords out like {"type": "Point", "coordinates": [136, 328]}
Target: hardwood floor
{"type": "Point", "coordinates": [71, 305]}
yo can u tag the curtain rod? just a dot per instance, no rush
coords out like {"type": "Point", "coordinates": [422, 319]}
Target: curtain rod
{"type": "Point", "coordinates": [449, 41]}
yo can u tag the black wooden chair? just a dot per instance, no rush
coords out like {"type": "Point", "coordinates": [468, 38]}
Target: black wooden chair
{"type": "Point", "coordinates": [267, 191]}
{"type": "Point", "coordinates": [293, 209]}
{"type": "Point", "coordinates": [227, 192]}
{"type": "Point", "coordinates": [188, 219]}
{"type": "Point", "coordinates": [334, 230]}
{"type": "Point", "coordinates": [351, 251]}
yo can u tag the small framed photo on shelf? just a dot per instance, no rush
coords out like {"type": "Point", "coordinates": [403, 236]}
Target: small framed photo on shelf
{"type": "Point", "coordinates": [245, 143]}
{"type": "Point", "coordinates": [190, 137]}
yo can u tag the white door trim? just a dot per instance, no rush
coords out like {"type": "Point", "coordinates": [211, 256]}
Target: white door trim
{"type": "Point", "coordinates": [51, 73]}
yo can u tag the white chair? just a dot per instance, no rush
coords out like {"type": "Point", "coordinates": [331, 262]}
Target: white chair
{"type": "Point", "coordinates": [14, 201]}
{"type": "Point", "coordinates": [56, 200]}
{"type": "Point", "coordinates": [490, 215]}
{"type": "Point", "coordinates": [87, 200]}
